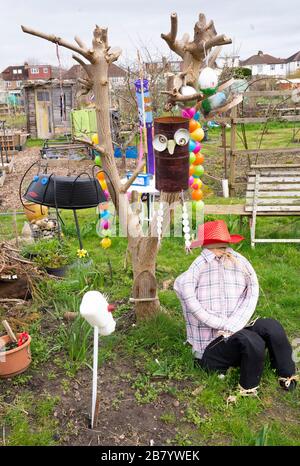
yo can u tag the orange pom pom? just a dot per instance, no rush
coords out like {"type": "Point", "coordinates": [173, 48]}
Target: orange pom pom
{"type": "Point", "coordinates": [197, 195]}
{"type": "Point", "coordinates": [199, 159]}
{"type": "Point", "coordinates": [193, 125]}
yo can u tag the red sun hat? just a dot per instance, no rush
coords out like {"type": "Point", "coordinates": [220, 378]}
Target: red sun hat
{"type": "Point", "coordinates": [214, 232]}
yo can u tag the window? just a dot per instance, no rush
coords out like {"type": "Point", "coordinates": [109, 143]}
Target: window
{"type": "Point", "coordinates": [298, 63]}
{"type": "Point", "coordinates": [19, 83]}
{"type": "Point", "coordinates": [19, 71]}
{"type": "Point", "coordinates": [272, 67]}
{"type": "Point", "coordinates": [281, 66]}
{"type": "Point", "coordinates": [15, 71]}
{"type": "Point", "coordinates": [45, 70]}
{"type": "Point", "coordinates": [43, 96]}
{"type": "Point", "coordinates": [8, 84]}
{"type": "Point", "coordinates": [259, 68]}
{"type": "Point", "coordinates": [34, 71]}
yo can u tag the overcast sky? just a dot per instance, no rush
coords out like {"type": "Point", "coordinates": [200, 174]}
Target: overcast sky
{"type": "Point", "coordinates": [268, 25]}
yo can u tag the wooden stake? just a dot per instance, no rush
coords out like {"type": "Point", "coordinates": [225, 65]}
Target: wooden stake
{"type": "Point", "coordinates": [10, 333]}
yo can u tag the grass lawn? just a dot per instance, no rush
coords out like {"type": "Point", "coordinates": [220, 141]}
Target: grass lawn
{"type": "Point", "coordinates": [148, 386]}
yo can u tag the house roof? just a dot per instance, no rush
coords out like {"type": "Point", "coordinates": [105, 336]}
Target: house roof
{"type": "Point", "coordinates": [262, 59]}
{"type": "Point", "coordinates": [76, 72]}
{"type": "Point", "coordinates": [294, 57]}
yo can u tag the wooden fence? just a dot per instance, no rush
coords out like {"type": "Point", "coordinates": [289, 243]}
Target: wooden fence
{"type": "Point", "coordinates": [278, 113]}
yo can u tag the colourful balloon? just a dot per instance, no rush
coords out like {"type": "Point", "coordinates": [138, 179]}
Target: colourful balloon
{"type": "Point", "coordinates": [106, 194]}
{"type": "Point", "coordinates": [198, 205]}
{"type": "Point", "coordinates": [106, 243]}
{"type": "Point", "coordinates": [103, 185]}
{"type": "Point", "coordinates": [197, 184]}
{"type": "Point", "coordinates": [198, 135]}
{"type": "Point", "coordinates": [192, 145]}
{"type": "Point", "coordinates": [192, 157]}
{"type": "Point", "coordinates": [199, 159]}
{"type": "Point", "coordinates": [95, 139]}
{"type": "Point", "coordinates": [198, 170]}
{"type": "Point", "coordinates": [97, 160]}
{"type": "Point", "coordinates": [191, 181]}
{"type": "Point", "coordinates": [188, 112]}
{"type": "Point", "coordinates": [105, 224]}
{"type": "Point", "coordinates": [197, 116]}
{"type": "Point", "coordinates": [106, 233]}
{"type": "Point", "coordinates": [197, 195]}
{"type": "Point", "coordinates": [101, 176]}
{"type": "Point", "coordinates": [192, 170]}
{"type": "Point", "coordinates": [197, 148]}
{"type": "Point", "coordinates": [193, 125]}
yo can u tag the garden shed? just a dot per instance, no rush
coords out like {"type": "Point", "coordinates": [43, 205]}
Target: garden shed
{"type": "Point", "coordinates": [48, 105]}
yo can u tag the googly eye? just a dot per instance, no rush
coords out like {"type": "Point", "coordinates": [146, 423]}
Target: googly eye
{"type": "Point", "coordinates": [160, 142]}
{"type": "Point", "coordinates": [182, 137]}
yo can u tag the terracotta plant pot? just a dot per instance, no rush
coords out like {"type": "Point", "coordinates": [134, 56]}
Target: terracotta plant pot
{"type": "Point", "coordinates": [35, 211]}
{"type": "Point", "coordinates": [15, 361]}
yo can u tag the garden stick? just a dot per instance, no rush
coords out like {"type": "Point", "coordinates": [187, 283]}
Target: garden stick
{"type": "Point", "coordinates": [95, 375]}
{"type": "Point", "coordinates": [10, 333]}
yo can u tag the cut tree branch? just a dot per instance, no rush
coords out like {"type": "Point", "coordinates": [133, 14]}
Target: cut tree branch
{"type": "Point", "coordinates": [59, 41]}
{"type": "Point", "coordinates": [89, 143]}
{"type": "Point", "coordinates": [170, 38]}
{"type": "Point", "coordinates": [84, 65]}
{"type": "Point", "coordinates": [137, 171]}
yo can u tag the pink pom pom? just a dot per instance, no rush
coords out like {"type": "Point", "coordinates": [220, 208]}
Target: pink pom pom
{"type": "Point", "coordinates": [197, 148]}
{"type": "Point", "coordinates": [105, 225]}
{"type": "Point", "coordinates": [191, 181]}
{"type": "Point", "coordinates": [188, 112]}
{"type": "Point", "coordinates": [106, 194]}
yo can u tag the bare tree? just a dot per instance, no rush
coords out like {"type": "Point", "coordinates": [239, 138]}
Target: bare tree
{"type": "Point", "coordinates": [95, 60]}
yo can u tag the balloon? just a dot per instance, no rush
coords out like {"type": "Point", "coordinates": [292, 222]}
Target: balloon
{"type": "Point", "coordinates": [191, 181]}
{"type": "Point", "coordinates": [103, 185]}
{"type": "Point", "coordinates": [197, 195]}
{"type": "Point", "coordinates": [197, 184]}
{"type": "Point", "coordinates": [106, 193]}
{"type": "Point", "coordinates": [105, 214]}
{"type": "Point", "coordinates": [208, 81]}
{"type": "Point", "coordinates": [193, 125]}
{"type": "Point", "coordinates": [197, 116]}
{"type": "Point", "coordinates": [198, 205]}
{"type": "Point", "coordinates": [199, 159]}
{"type": "Point", "coordinates": [95, 139]}
{"type": "Point", "coordinates": [188, 112]}
{"type": "Point", "coordinates": [198, 135]}
{"type": "Point", "coordinates": [101, 176]}
{"type": "Point", "coordinates": [192, 157]}
{"type": "Point", "coordinates": [192, 170]}
{"type": "Point", "coordinates": [97, 160]}
{"type": "Point", "coordinates": [106, 243]}
{"type": "Point", "coordinates": [192, 145]}
{"type": "Point", "coordinates": [106, 233]}
{"type": "Point", "coordinates": [105, 224]}
{"type": "Point", "coordinates": [198, 170]}
{"type": "Point", "coordinates": [197, 148]}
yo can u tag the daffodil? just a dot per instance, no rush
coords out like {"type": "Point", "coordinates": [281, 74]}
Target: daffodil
{"type": "Point", "coordinates": [81, 253]}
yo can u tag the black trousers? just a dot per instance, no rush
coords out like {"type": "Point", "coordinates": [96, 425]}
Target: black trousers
{"type": "Point", "coordinates": [247, 349]}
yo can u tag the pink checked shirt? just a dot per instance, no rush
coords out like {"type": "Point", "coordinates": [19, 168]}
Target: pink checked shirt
{"type": "Point", "coordinates": [216, 293]}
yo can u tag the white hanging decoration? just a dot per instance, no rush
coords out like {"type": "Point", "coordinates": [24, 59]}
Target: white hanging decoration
{"type": "Point", "coordinates": [208, 81]}
{"type": "Point", "coordinates": [186, 227]}
{"type": "Point", "coordinates": [160, 217]}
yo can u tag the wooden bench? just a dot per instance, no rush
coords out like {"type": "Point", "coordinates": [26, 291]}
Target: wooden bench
{"type": "Point", "coordinates": [272, 190]}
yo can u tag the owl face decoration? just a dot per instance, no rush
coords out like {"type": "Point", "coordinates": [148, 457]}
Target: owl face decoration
{"type": "Point", "coordinates": [171, 148]}
{"type": "Point", "coordinates": [161, 142]}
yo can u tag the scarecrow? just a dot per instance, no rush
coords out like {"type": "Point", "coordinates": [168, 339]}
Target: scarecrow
{"type": "Point", "coordinates": [219, 293]}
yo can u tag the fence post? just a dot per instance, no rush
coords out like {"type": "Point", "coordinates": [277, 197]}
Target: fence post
{"type": "Point", "coordinates": [232, 160]}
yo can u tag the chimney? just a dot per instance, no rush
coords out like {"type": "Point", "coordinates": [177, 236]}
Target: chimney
{"type": "Point", "coordinates": [260, 53]}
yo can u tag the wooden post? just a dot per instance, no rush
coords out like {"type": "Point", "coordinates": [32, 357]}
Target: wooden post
{"type": "Point", "coordinates": [232, 160]}
{"type": "Point", "coordinates": [224, 142]}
